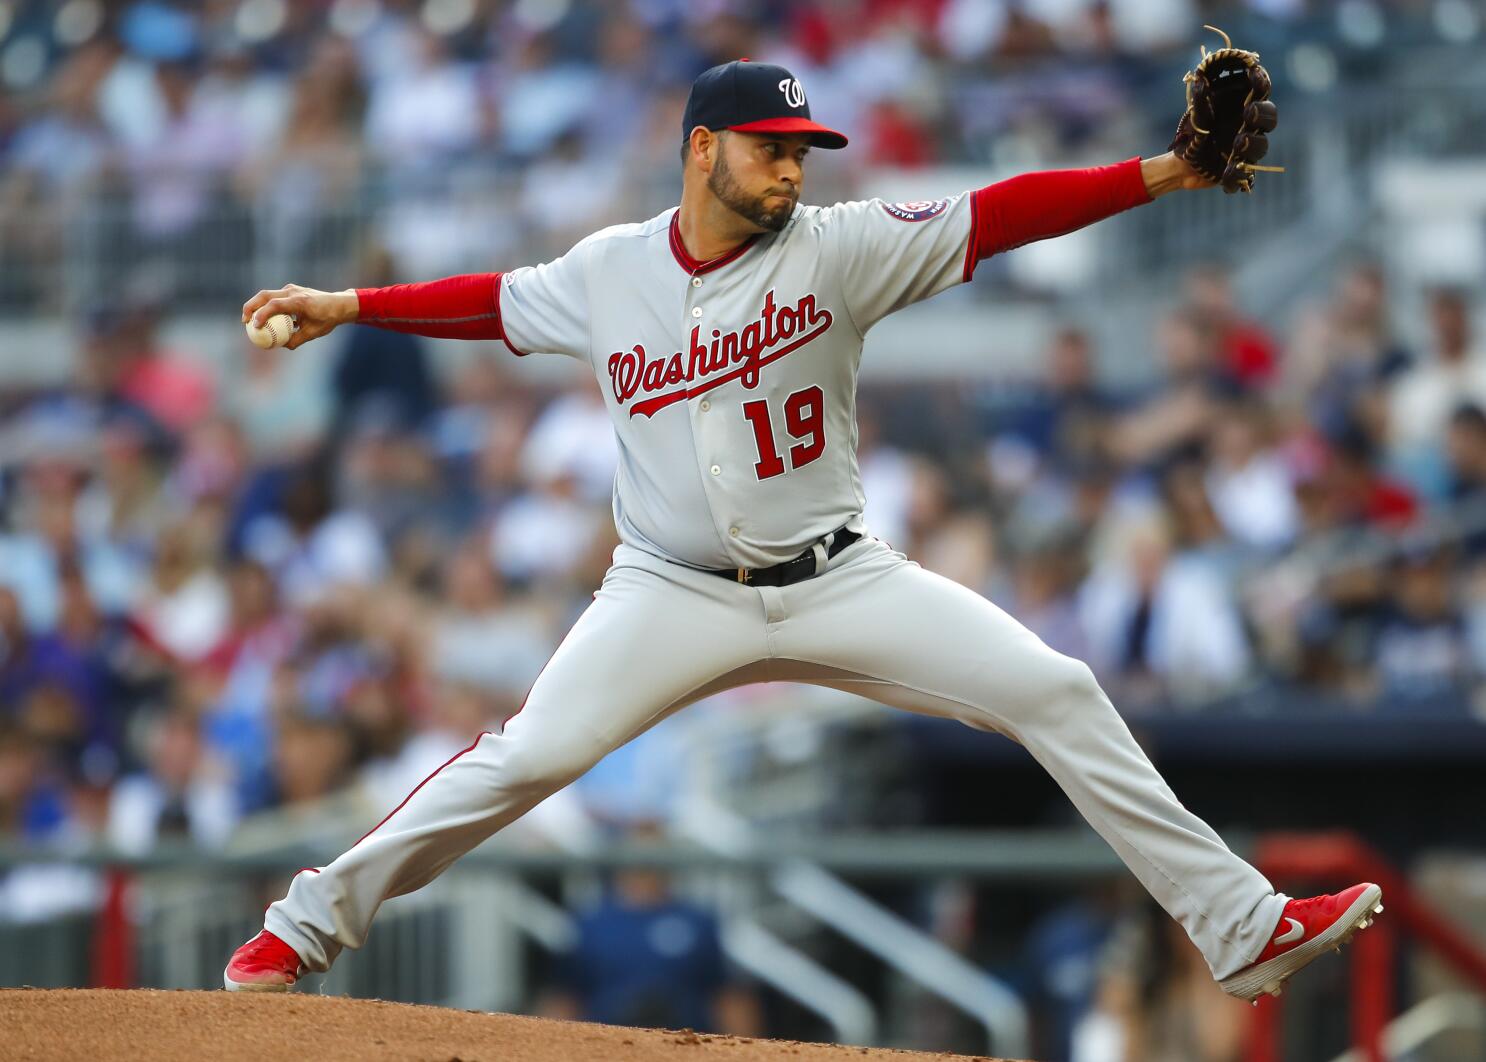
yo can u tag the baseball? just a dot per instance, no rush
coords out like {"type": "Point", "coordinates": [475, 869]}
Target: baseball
{"type": "Point", "coordinates": [274, 333]}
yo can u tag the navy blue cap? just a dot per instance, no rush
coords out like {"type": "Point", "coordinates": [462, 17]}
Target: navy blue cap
{"type": "Point", "coordinates": [753, 98]}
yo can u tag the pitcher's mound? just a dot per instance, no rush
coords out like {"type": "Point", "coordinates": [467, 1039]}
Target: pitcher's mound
{"type": "Point", "coordinates": [100, 1025]}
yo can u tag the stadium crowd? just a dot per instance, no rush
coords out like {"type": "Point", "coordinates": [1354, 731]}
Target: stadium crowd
{"type": "Point", "coordinates": [223, 595]}
{"type": "Point", "coordinates": [197, 139]}
{"type": "Point", "coordinates": [296, 585]}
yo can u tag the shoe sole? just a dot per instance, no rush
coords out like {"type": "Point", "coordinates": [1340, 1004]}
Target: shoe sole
{"type": "Point", "coordinates": [1272, 975]}
{"type": "Point", "coordinates": [249, 986]}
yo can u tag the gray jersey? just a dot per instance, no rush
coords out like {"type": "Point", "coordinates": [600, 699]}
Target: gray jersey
{"type": "Point", "coordinates": [732, 383]}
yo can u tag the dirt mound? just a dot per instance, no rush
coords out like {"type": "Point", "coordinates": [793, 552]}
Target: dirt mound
{"type": "Point", "coordinates": [99, 1025]}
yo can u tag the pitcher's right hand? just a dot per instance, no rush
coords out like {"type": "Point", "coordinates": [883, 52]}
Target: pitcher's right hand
{"type": "Point", "coordinates": [316, 313]}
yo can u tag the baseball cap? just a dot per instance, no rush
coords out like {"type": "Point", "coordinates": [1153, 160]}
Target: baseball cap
{"type": "Point", "coordinates": [753, 98]}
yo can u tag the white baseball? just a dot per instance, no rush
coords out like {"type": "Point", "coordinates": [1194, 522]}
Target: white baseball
{"type": "Point", "coordinates": [274, 333]}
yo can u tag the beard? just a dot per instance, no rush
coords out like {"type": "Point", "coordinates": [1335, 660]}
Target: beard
{"type": "Point", "coordinates": [722, 183]}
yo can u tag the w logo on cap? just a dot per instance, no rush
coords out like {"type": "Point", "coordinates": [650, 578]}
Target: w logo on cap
{"type": "Point", "coordinates": [752, 98]}
{"type": "Point", "coordinates": [794, 95]}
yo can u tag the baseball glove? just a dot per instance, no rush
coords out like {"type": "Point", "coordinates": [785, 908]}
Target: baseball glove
{"type": "Point", "coordinates": [1228, 112]}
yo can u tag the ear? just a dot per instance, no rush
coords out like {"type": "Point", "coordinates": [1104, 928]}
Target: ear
{"type": "Point", "coordinates": [704, 147]}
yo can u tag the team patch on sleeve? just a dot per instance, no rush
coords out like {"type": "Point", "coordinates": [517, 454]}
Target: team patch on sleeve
{"type": "Point", "coordinates": [917, 210]}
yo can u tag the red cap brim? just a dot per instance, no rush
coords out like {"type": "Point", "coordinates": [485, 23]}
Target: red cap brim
{"type": "Point", "coordinates": [820, 136]}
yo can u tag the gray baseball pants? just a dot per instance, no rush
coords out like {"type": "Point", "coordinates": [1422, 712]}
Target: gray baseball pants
{"type": "Point", "coordinates": [659, 636]}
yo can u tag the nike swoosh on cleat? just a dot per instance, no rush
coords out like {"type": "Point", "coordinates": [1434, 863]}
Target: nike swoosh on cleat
{"type": "Point", "coordinates": [1296, 932]}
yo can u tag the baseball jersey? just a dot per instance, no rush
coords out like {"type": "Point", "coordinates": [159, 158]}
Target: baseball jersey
{"type": "Point", "coordinates": [732, 383]}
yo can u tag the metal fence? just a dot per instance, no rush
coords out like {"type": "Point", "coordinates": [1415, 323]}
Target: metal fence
{"type": "Point", "coordinates": [467, 939]}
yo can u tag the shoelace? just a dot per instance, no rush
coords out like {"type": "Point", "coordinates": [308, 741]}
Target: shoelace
{"type": "Point", "coordinates": [266, 948]}
{"type": "Point", "coordinates": [1306, 905]}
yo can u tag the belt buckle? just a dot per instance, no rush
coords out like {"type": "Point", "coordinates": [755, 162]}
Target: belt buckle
{"type": "Point", "coordinates": [742, 575]}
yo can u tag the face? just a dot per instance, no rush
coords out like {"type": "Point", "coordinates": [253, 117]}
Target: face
{"type": "Point", "coordinates": [758, 176]}
{"type": "Point", "coordinates": [1451, 325]}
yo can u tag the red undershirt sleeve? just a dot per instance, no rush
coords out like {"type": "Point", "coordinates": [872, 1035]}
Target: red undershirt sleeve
{"type": "Point", "coordinates": [463, 307]}
{"type": "Point", "coordinates": [1036, 206]}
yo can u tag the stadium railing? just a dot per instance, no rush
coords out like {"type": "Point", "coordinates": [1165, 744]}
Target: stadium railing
{"type": "Point", "coordinates": [168, 918]}
{"type": "Point", "coordinates": [1345, 858]}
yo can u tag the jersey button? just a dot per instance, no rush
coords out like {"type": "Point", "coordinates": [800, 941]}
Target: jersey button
{"type": "Point", "coordinates": [696, 311]}
{"type": "Point", "coordinates": [716, 470]}
{"type": "Point", "coordinates": [733, 531]}
{"type": "Point", "coordinates": [706, 405]}
{"type": "Point", "coordinates": [696, 282]}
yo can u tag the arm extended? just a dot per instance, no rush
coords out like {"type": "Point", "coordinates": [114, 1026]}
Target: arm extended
{"type": "Point", "coordinates": [1007, 214]}
{"type": "Point", "coordinates": [460, 307]}
{"type": "Point", "coordinates": [1036, 206]}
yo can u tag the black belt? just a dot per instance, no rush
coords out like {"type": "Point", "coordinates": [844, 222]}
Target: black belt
{"type": "Point", "coordinates": [791, 571]}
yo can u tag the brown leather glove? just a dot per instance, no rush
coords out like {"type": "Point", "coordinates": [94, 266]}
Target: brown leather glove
{"type": "Point", "coordinates": [1221, 135]}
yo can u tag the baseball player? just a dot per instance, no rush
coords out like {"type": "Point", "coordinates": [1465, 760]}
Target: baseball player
{"type": "Point", "coordinates": [725, 334]}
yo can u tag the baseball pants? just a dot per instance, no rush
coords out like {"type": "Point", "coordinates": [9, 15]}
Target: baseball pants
{"type": "Point", "coordinates": [659, 636]}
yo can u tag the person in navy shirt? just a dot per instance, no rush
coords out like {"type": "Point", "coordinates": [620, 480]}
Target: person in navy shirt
{"type": "Point", "coordinates": [646, 958]}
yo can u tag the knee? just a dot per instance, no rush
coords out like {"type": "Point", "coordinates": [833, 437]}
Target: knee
{"type": "Point", "coordinates": [532, 766]}
{"type": "Point", "coordinates": [1070, 683]}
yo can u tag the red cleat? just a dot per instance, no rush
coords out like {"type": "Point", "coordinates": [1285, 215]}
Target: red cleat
{"type": "Point", "coordinates": [1306, 929]}
{"type": "Point", "coordinates": [263, 964]}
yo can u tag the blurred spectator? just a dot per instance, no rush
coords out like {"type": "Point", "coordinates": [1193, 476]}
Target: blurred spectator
{"type": "Point", "coordinates": [184, 608]}
{"type": "Point", "coordinates": [1044, 595]}
{"type": "Point", "coordinates": [1465, 456]}
{"type": "Point", "coordinates": [180, 795]}
{"type": "Point", "coordinates": [482, 639]}
{"type": "Point", "coordinates": [1355, 492]}
{"type": "Point", "coordinates": [309, 546]}
{"type": "Point", "coordinates": [540, 536]}
{"type": "Point", "coordinates": [279, 401]}
{"type": "Point", "coordinates": [456, 714]}
{"type": "Point", "coordinates": [887, 479]}
{"type": "Point", "coordinates": [646, 958]}
{"type": "Point", "coordinates": [388, 370]}
{"type": "Point", "coordinates": [253, 624]}
{"type": "Point", "coordinates": [169, 385]}
{"type": "Point", "coordinates": [588, 189]}
{"type": "Point", "coordinates": [1422, 652]}
{"type": "Point", "coordinates": [36, 808]}
{"type": "Point", "coordinates": [1248, 482]}
{"type": "Point", "coordinates": [544, 95]}
{"type": "Point", "coordinates": [574, 437]}
{"type": "Point", "coordinates": [962, 547]}
{"type": "Point", "coordinates": [388, 475]}
{"type": "Point", "coordinates": [1064, 420]}
{"type": "Point", "coordinates": [57, 690]}
{"type": "Point", "coordinates": [123, 507]}
{"type": "Point", "coordinates": [1342, 356]}
{"type": "Point", "coordinates": [178, 161]}
{"type": "Point", "coordinates": [1423, 398]}
{"type": "Point", "coordinates": [312, 796]}
{"type": "Point", "coordinates": [65, 146]}
{"type": "Point", "coordinates": [1157, 1001]}
{"type": "Point", "coordinates": [425, 111]}
{"type": "Point", "coordinates": [212, 463]}
{"type": "Point", "coordinates": [312, 759]}
{"type": "Point", "coordinates": [57, 154]}
{"type": "Point", "coordinates": [305, 180]}
{"type": "Point", "coordinates": [1064, 949]}
{"type": "Point", "coordinates": [1246, 352]}
{"type": "Point", "coordinates": [1158, 614]}
{"type": "Point", "coordinates": [1465, 450]}
{"type": "Point", "coordinates": [1174, 422]}
{"type": "Point", "coordinates": [33, 805]}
